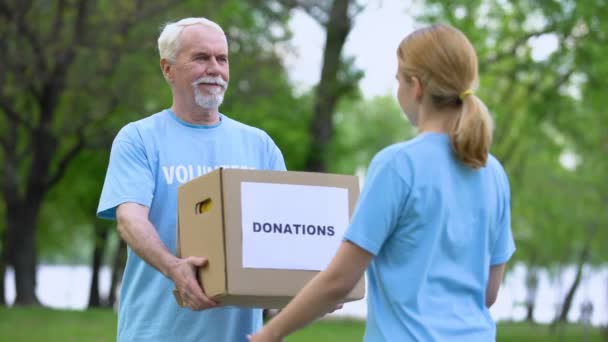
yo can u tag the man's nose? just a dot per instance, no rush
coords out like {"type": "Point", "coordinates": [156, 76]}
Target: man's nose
{"type": "Point", "coordinates": [213, 68]}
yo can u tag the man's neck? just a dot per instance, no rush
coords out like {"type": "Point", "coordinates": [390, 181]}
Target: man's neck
{"type": "Point", "coordinates": [197, 115]}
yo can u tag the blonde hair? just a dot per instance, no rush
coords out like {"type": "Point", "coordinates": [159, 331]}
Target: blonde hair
{"type": "Point", "coordinates": [445, 62]}
{"type": "Point", "coordinates": [168, 41]}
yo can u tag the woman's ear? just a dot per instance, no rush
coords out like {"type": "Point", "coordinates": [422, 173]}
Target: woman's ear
{"type": "Point", "coordinates": [418, 89]}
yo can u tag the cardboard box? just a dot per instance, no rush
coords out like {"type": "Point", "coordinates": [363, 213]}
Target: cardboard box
{"type": "Point", "coordinates": [265, 233]}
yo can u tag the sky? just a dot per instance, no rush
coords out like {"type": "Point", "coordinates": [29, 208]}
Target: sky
{"type": "Point", "coordinates": [373, 41]}
{"type": "Point", "coordinates": [376, 33]}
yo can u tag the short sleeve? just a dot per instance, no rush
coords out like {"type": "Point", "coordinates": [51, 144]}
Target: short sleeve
{"type": "Point", "coordinates": [504, 245]}
{"type": "Point", "coordinates": [276, 161]}
{"type": "Point", "coordinates": [128, 177]}
{"type": "Point", "coordinates": [379, 207]}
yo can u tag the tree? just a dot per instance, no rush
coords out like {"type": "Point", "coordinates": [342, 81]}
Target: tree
{"type": "Point", "coordinates": [76, 72]}
{"type": "Point", "coordinates": [363, 128]}
{"type": "Point", "coordinates": [3, 257]}
{"type": "Point", "coordinates": [338, 77]}
{"type": "Point", "coordinates": [534, 100]}
{"type": "Point", "coordinates": [54, 53]}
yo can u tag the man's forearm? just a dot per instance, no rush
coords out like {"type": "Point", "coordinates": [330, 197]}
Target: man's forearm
{"type": "Point", "coordinates": [139, 233]}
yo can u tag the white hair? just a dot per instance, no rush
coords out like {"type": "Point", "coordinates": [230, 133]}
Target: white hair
{"type": "Point", "coordinates": [168, 41]}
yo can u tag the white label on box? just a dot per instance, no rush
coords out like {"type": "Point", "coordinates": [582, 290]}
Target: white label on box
{"type": "Point", "coordinates": [296, 227]}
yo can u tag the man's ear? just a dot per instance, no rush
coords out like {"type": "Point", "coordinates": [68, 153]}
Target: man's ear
{"type": "Point", "coordinates": [166, 68]}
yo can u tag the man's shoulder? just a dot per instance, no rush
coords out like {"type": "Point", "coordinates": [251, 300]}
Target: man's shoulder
{"type": "Point", "coordinates": [134, 129]}
{"type": "Point", "coordinates": [244, 128]}
{"type": "Point", "coordinates": [149, 121]}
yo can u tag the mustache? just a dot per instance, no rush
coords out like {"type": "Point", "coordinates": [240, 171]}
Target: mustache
{"type": "Point", "coordinates": [211, 80]}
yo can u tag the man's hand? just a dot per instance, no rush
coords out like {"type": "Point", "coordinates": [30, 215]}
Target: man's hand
{"type": "Point", "coordinates": [183, 274]}
{"type": "Point", "coordinates": [139, 233]}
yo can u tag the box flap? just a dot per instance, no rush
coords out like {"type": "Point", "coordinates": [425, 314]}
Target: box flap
{"type": "Point", "coordinates": [200, 218]}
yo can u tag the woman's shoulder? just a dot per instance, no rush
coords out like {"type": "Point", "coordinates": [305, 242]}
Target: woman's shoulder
{"type": "Point", "coordinates": [392, 151]}
{"type": "Point", "coordinates": [495, 166]}
{"type": "Point", "coordinates": [398, 157]}
{"type": "Point", "coordinates": [410, 149]}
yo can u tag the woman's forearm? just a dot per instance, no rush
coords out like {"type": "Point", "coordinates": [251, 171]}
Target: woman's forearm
{"type": "Point", "coordinates": [320, 295]}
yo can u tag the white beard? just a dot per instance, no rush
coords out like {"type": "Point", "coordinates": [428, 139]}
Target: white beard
{"type": "Point", "coordinates": [213, 100]}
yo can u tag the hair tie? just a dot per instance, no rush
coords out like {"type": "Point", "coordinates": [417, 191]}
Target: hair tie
{"type": "Point", "coordinates": [465, 93]}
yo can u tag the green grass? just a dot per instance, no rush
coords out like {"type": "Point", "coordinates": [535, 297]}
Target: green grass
{"type": "Point", "coordinates": [540, 332]}
{"type": "Point", "coordinates": [330, 330]}
{"type": "Point", "coordinates": [39, 324]}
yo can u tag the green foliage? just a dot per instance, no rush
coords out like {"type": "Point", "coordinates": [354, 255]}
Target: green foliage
{"type": "Point", "coordinates": [363, 128]}
{"type": "Point", "coordinates": [112, 78]}
{"type": "Point", "coordinates": [544, 105]}
{"type": "Point", "coordinates": [67, 216]}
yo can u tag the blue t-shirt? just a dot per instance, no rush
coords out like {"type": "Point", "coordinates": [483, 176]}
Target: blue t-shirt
{"type": "Point", "coordinates": [150, 158]}
{"type": "Point", "coordinates": [434, 226]}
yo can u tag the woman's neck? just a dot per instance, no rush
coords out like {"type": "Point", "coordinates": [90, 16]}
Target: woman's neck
{"type": "Point", "coordinates": [439, 121]}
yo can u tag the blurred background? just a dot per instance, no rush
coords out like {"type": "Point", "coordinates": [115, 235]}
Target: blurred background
{"type": "Point", "coordinates": [319, 77]}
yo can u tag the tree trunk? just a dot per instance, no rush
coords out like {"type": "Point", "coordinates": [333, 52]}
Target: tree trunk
{"type": "Point", "coordinates": [3, 261]}
{"type": "Point", "coordinates": [531, 287]}
{"type": "Point", "coordinates": [329, 89]}
{"type": "Point", "coordinates": [22, 217]}
{"type": "Point", "coordinates": [583, 257]}
{"type": "Point", "coordinates": [119, 263]}
{"type": "Point", "coordinates": [101, 238]}
{"type": "Point", "coordinates": [530, 306]}
{"type": "Point", "coordinates": [565, 309]}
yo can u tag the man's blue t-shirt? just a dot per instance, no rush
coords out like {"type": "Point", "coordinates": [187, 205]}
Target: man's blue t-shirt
{"type": "Point", "coordinates": [150, 158]}
{"type": "Point", "coordinates": [434, 226]}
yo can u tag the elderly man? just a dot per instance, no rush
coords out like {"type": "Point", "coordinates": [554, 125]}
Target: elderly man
{"type": "Point", "coordinates": [150, 158]}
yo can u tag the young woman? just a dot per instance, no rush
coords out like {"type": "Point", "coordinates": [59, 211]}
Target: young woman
{"type": "Point", "coordinates": [432, 226]}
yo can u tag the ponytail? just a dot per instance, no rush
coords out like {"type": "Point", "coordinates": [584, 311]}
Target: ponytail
{"type": "Point", "coordinates": [471, 136]}
{"type": "Point", "coordinates": [448, 62]}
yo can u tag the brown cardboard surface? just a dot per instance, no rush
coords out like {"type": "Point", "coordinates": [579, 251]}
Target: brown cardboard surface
{"type": "Point", "coordinates": [202, 234]}
{"type": "Point", "coordinates": [217, 235]}
{"type": "Point", "coordinates": [270, 282]}
{"type": "Point", "coordinates": [267, 302]}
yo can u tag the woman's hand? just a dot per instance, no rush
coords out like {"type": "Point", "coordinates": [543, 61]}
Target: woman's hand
{"type": "Point", "coordinates": [263, 336]}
